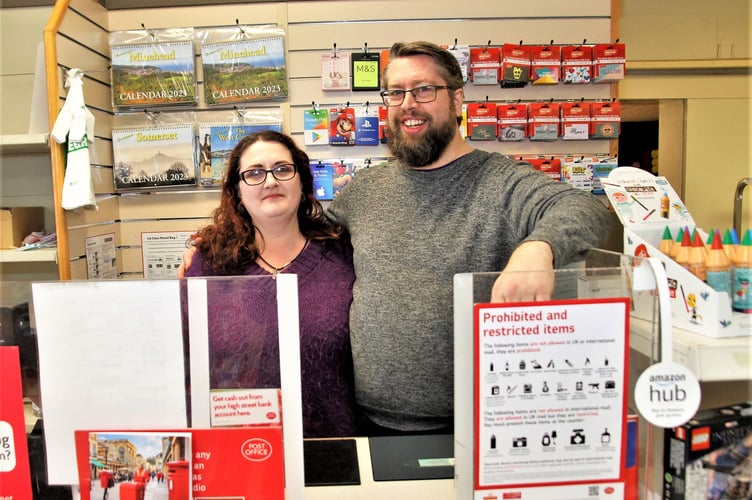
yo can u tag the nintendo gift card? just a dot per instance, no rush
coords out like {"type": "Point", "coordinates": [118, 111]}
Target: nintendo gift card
{"type": "Point", "coordinates": [342, 126]}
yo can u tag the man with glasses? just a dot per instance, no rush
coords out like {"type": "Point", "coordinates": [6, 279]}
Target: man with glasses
{"type": "Point", "coordinates": [441, 208]}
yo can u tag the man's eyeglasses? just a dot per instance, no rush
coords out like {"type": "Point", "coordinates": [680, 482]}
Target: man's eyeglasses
{"type": "Point", "coordinates": [256, 176]}
{"type": "Point", "coordinates": [424, 93]}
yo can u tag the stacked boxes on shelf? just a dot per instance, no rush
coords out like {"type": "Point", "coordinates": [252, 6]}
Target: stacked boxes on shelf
{"type": "Point", "coordinates": [710, 456]}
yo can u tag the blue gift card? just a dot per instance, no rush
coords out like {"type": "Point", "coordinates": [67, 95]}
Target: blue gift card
{"type": "Point", "coordinates": [323, 178]}
{"type": "Point", "coordinates": [368, 130]}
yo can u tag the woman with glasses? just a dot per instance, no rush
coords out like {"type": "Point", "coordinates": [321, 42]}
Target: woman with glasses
{"type": "Point", "coordinates": [269, 222]}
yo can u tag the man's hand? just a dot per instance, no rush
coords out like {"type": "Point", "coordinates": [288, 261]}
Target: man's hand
{"type": "Point", "coordinates": [528, 276]}
{"type": "Point", "coordinates": [187, 259]}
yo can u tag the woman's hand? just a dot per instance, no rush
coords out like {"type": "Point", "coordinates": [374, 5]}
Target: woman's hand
{"type": "Point", "coordinates": [187, 259]}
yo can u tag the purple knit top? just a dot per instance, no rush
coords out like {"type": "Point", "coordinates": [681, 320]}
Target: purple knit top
{"type": "Point", "coordinates": [243, 346]}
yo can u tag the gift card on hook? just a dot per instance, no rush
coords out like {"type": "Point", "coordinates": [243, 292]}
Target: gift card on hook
{"type": "Point", "coordinates": [335, 71]}
{"type": "Point", "coordinates": [366, 71]}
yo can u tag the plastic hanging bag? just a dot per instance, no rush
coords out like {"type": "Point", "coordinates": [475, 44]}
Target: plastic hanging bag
{"type": "Point", "coordinates": [77, 124]}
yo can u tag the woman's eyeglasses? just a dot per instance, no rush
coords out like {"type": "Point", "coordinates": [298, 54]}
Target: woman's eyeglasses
{"type": "Point", "coordinates": [256, 176]}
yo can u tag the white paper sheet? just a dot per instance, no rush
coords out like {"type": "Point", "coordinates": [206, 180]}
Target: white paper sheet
{"type": "Point", "coordinates": [111, 357]}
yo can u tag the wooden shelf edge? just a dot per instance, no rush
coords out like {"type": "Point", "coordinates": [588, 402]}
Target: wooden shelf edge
{"type": "Point", "coordinates": [35, 255]}
{"type": "Point", "coordinates": [691, 65]}
{"type": "Point", "coordinates": [710, 359]}
{"type": "Point", "coordinates": [24, 143]}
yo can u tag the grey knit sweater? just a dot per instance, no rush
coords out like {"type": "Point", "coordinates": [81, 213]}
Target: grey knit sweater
{"type": "Point", "coordinates": [412, 231]}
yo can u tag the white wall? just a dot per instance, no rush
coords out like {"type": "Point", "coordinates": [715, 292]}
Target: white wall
{"type": "Point", "coordinates": [715, 119]}
{"type": "Point", "coordinates": [20, 34]}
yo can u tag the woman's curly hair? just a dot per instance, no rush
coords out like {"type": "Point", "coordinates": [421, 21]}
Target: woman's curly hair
{"type": "Point", "coordinates": [229, 245]}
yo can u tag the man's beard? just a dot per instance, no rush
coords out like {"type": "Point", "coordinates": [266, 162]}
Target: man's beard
{"type": "Point", "coordinates": [423, 151]}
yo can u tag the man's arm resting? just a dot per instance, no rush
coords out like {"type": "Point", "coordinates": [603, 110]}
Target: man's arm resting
{"type": "Point", "coordinates": [528, 276]}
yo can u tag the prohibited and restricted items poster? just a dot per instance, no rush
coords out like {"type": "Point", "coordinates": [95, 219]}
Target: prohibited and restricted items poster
{"type": "Point", "coordinates": [550, 398]}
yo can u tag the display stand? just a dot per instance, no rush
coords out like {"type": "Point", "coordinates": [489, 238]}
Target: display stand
{"type": "Point", "coordinates": [112, 357]}
{"type": "Point", "coordinates": [647, 206]}
{"type": "Point", "coordinates": [289, 362]}
{"type": "Point", "coordinates": [600, 275]}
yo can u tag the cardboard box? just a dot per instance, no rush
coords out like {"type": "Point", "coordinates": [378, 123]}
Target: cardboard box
{"type": "Point", "coordinates": [708, 457]}
{"type": "Point", "coordinates": [18, 222]}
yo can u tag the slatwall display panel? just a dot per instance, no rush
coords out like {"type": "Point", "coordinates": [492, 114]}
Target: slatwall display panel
{"type": "Point", "coordinates": [325, 11]}
{"type": "Point", "coordinates": [100, 155]}
{"type": "Point", "coordinates": [340, 152]}
{"type": "Point", "coordinates": [93, 63]}
{"type": "Point", "coordinates": [107, 211]}
{"type": "Point", "coordinates": [162, 204]}
{"type": "Point", "coordinates": [82, 42]}
{"type": "Point", "coordinates": [165, 210]}
{"type": "Point", "coordinates": [131, 230]}
{"type": "Point", "coordinates": [78, 269]}
{"type": "Point", "coordinates": [131, 260]}
{"type": "Point", "coordinates": [87, 27]}
{"type": "Point", "coordinates": [201, 18]}
{"type": "Point", "coordinates": [209, 15]}
{"type": "Point", "coordinates": [105, 217]}
{"type": "Point", "coordinates": [474, 32]}
{"type": "Point", "coordinates": [314, 28]}
{"type": "Point", "coordinates": [101, 178]}
{"type": "Point", "coordinates": [102, 118]}
{"type": "Point", "coordinates": [90, 9]}
{"type": "Point", "coordinates": [97, 94]}
{"type": "Point", "coordinates": [79, 235]}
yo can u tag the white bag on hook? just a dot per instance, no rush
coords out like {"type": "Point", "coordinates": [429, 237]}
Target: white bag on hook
{"type": "Point", "coordinates": [77, 123]}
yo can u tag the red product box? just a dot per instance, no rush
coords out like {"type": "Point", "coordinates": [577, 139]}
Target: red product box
{"type": "Point", "coordinates": [575, 120]}
{"type": "Point", "coordinates": [15, 476]}
{"type": "Point", "coordinates": [609, 62]}
{"type": "Point", "coordinates": [543, 121]}
{"type": "Point", "coordinates": [605, 120]}
{"type": "Point", "coordinates": [551, 166]}
{"type": "Point", "coordinates": [545, 66]}
{"type": "Point", "coordinates": [481, 121]}
{"type": "Point", "coordinates": [576, 63]}
{"type": "Point", "coordinates": [382, 124]}
{"type": "Point", "coordinates": [484, 65]}
{"type": "Point", "coordinates": [708, 457]}
{"type": "Point", "coordinates": [228, 462]}
{"type": "Point", "coordinates": [511, 120]}
{"type": "Point", "coordinates": [384, 60]}
{"type": "Point", "coordinates": [515, 65]}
